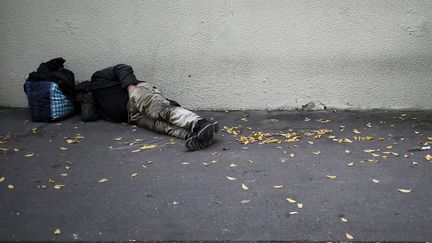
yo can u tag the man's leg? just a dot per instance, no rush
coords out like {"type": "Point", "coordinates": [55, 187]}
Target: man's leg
{"type": "Point", "coordinates": [150, 102]}
{"type": "Point", "coordinates": [163, 127]}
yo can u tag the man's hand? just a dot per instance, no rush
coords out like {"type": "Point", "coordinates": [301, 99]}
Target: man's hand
{"type": "Point", "coordinates": [131, 88]}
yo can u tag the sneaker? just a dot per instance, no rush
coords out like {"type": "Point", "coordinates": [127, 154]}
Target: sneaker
{"type": "Point", "coordinates": [193, 143]}
{"type": "Point", "coordinates": [206, 129]}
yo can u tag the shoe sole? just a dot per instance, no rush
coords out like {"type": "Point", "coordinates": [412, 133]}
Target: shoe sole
{"type": "Point", "coordinates": [208, 131]}
{"type": "Point", "coordinates": [193, 144]}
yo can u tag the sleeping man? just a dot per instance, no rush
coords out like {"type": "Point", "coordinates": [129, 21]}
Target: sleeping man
{"type": "Point", "coordinates": [116, 95]}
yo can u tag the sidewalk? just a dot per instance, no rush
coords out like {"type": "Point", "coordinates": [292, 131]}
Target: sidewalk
{"type": "Point", "coordinates": [107, 181]}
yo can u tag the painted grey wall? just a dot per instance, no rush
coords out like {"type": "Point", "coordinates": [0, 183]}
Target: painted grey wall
{"type": "Point", "coordinates": [213, 54]}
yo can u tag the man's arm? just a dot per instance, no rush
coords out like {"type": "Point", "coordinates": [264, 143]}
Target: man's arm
{"type": "Point", "coordinates": [88, 108]}
{"type": "Point", "coordinates": [119, 73]}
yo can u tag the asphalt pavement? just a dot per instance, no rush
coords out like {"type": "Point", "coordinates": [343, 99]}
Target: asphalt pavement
{"type": "Point", "coordinates": [281, 175]}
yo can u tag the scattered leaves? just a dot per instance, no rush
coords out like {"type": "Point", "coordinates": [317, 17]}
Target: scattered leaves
{"type": "Point", "coordinates": [290, 200]}
{"type": "Point", "coordinates": [57, 231]}
{"type": "Point", "coordinates": [103, 180]}
{"type": "Point", "coordinates": [428, 157]}
{"type": "Point", "coordinates": [244, 187]}
{"type": "Point", "coordinates": [404, 190]}
{"type": "Point", "coordinates": [59, 186]}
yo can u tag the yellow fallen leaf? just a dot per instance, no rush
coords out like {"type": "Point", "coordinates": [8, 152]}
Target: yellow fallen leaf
{"type": "Point", "coordinates": [356, 131]}
{"type": "Point", "coordinates": [29, 155]}
{"type": "Point", "coordinates": [395, 154]}
{"type": "Point", "coordinates": [103, 180]}
{"type": "Point", "coordinates": [428, 157]}
{"type": "Point", "coordinates": [375, 180]}
{"type": "Point", "coordinates": [2, 179]}
{"type": "Point", "coordinates": [4, 150]}
{"type": "Point", "coordinates": [231, 178]}
{"type": "Point", "coordinates": [57, 231]}
{"type": "Point", "coordinates": [344, 219]}
{"type": "Point", "coordinates": [349, 237]}
{"type": "Point", "coordinates": [250, 161]}
{"type": "Point", "coordinates": [290, 200]}
{"type": "Point", "coordinates": [10, 186]}
{"type": "Point", "coordinates": [244, 187]}
{"type": "Point", "coordinates": [291, 155]}
{"type": "Point", "coordinates": [118, 139]}
{"type": "Point", "coordinates": [59, 186]}
{"type": "Point", "coordinates": [134, 175]}
{"type": "Point", "coordinates": [71, 141]}
{"type": "Point", "coordinates": [300, 205]}
{"type": "Point", "coordinates": [310, 142]}
{"type": "Point", "coordinates": [350, 164]}
{"type": "Point", "coordinates": [232, 165]}
{"type": "Point", "coordinates": [331, 177]}
{"type": "Point", "coordinates": [148, 146]}
{"type": "Point", "coordinates": [278, 187]}
{"type": "Point", "coordinates": [369, 150]}
{"type": "Point", "coordinates": [404, 190]}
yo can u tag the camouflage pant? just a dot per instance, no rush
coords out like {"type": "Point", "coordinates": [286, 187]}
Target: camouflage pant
{"type": "Point", "coordinates": [149, 109]}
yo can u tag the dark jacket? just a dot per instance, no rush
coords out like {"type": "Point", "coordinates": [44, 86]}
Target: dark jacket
{"type": "Point", "coordinates": [54, 71]}
{"type": "Point", "coordinates": [107, 94]}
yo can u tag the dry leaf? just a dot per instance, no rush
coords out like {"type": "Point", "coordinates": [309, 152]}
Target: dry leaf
{"type": "Point", "coordinates": [244, 187]}
{"type": "Point", "coordinates": [232, 165]}
{"type": "Point", "coordinates": [404, 190]}
{"type": "Point", "coordinates": [71, 141]}
{"type": "Point", "coordinates": [310, 142]}
{"type": "Point", "coordinates": [59, 186]}
{"type": "Point", "coordinates": [134, 174]}
{"type": "Point", "coordinates": [356, 131]}
{"type": "Point", "coordinates": [245, 201]}
{"type": "Point", "coordinates": [415, 163]}
{"type": "Point", "coordinates": [331, 177]}
{"type": "Point", "coordinates": [316, 152]}
{"type": "Point", "coordinates": [300, 205]}
{"type": "Point", "coordinates": [2, 179]}
{"type": "Point", "coordinates": [350, 164]}
{"type": "Point", "coordinates": [344, 219]}
{"type": "Point", "coordinates": [428, 157]}
{"type": "Point", "coordinates": [29, 155]}
{"type": "Point", "coordinates": [290, 200]}
{"type": "Point", "coordinates": [62, 148]}
{"type": "Point", "coordinates": [250, 161]}
{"type": "Point", "coordinates": [103, 180]}
{"type": "Point", "coordinates": [118, 139]}
{"type": "Point", "coordinates": [291, 213]}
{"type": "Point", "coordinates": [231, 178]}
{"type": "Point", "coordinates": [148, 146]}
{"type": "Point", "coordinates": [57, 231]}
{"type": "Point", "coordinates": [278, 187]}
{"type": "Point", "coordinates": [369, 150]}
{"type": "Point", "coordinates": [10, 186]}
{"type": "Point", "coordinates": [291, 155]}
{"type": "Point", "coordinates": [349, 237]}
{"type": "Point", "coordinates": [375, 180]}
{"type": "Point", "coordinates": [347, 151]}
{"type": "Point", "coordinates": [185, 163]}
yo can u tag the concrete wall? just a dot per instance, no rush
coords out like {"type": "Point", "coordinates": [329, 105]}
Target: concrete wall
{"type": "Point", "coordinates": [357, 54]}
